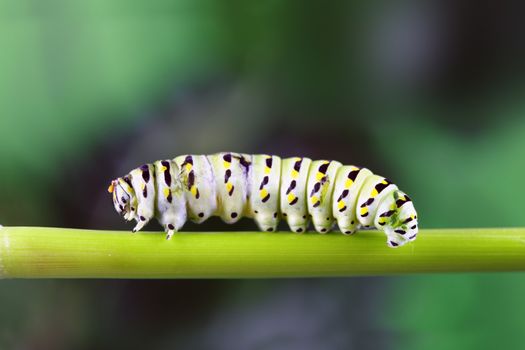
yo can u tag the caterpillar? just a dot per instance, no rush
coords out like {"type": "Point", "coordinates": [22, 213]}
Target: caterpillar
{"type": "Point", "coordinates": [267, 189]}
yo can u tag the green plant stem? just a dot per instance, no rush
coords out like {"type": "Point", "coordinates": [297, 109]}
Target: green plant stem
{"type": "Point", "coordinates": [38, 252]}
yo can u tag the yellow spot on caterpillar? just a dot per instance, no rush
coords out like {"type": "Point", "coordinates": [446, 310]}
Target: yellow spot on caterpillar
{"type": "Point", "coordinates": [226, 164]}
{"type": "Point", "coordinates": [193, 190]}
{"type": "Point", "coordinates": [348, 183]}
{"type": "Point", "coordinates": [111, 188]}
{"type": "Point", "coordinates": [266, 170]}
{"type": "Point", "coordinates": [291, 197]}
{"type": "Point", "coordinates": [163, 168]}
{"type": "Point", "coordinates": [374, 193]}
{"type": "Point", "coordinates": [341, 205]}
{"type": "Point", "coordinates": [263, 193]}
{"type": "Point", "coordinates": [188, 166]}
{"type": "Point", "coordinates": [229, 186]}
{"type": "Point", "coordinates": [319, 176]}
{"type": "Point", "coordinates": [314, 199]}
{"type": "Point", "coordinates": [295, 173]}
{"type": "Point", "coordinates": [143, 186]}
{"type": "Point", "coordinates": [167, 192]}
{"type": "Point", "coordinates": [364, 211]}
{"type": "Point", "coordinates": [296, 159]}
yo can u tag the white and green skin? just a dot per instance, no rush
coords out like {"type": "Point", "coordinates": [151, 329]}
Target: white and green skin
{"type": "Point", "coordinates": [267, 189]}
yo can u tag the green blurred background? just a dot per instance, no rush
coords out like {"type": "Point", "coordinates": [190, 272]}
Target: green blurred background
{"type": "Point", "coordinates": [429, 93]}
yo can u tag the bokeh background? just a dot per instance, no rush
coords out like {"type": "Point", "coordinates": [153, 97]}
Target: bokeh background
{"type": "Point", "coordinates": [428, 92]}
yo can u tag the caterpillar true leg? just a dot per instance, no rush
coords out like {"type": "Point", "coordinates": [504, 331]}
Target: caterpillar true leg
{"type": "Point", "coordinates": [233, 185]}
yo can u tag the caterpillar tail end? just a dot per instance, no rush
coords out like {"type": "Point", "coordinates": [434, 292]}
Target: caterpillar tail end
{"type": "Point", "coordinates": [394, 240]}
{"type": "Point", "coordinates": [397, 218]}
{"type": "Point", "coordinates": [397, 237]}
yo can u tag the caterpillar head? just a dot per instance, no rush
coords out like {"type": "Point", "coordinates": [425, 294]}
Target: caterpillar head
{"type": "Point", "coordinates": [398, 218]}
{"type": "Point", "coordinates": [123, 197]}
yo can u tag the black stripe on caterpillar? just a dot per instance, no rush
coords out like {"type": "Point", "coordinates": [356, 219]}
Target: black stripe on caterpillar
{"type": "Point", "coordinates": [267, 189]}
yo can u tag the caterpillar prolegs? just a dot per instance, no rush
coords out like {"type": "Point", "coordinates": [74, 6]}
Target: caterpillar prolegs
{"type": "Point", "coordinates": [267, 189]}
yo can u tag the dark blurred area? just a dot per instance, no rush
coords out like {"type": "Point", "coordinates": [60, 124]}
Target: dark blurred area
{"type": "Point", "coordinates": [429, 93]}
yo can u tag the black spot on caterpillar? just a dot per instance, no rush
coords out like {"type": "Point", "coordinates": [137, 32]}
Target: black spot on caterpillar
{"type": "Point", "coordinates": [145, 172]}
{"type": "Point", "coordinates": [297, 165]}
{"type": "Point", "coordinates": [353, 174]}
{"type": "Point", "coordinates": [343, 195]}
{"type": "Point", "coordinates": [323, 168]}
{"type": "Point", "coordinates": [191, 179]}
{"type": "Point", "coordinates": [227, 175]}
{"type": "Point", "coordinates": [291, 187]}
{"type": "Point", "coordinates": [264, 182]}
{"type": "Point", "coordinates": [167, 175]}
{"type": "Point", "coordinates": [244, 163]}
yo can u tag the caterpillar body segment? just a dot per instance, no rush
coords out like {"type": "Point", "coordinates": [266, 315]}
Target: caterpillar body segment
{"type": "Point", "coordinates": [194, 175]}
{"type": "Point", "coordinates": [321, 180]}
{"type": "Point", "coordinates": [265, 180]}
{"type": "Point", "coordinates": [170, 197]}
{"type": "Point", "coordinates": [267, 189]}
{"type": "Point", "coordinates": [372, 193]}
{"type": "Point", "coordinates": [294, 177]}
{"type": "Point", "coordinates": [142, 181]}
{"type": "Point", "coordinates": [348, 184]}
{"type": "Point", "coordinates": [231, 184]}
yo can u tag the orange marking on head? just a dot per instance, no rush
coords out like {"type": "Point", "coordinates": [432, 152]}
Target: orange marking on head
{"type": "Point", "coordinates": [111, 187]}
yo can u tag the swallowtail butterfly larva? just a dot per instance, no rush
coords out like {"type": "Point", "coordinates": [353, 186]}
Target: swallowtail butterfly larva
{"type": "Point", "coordinates": [267, 189]}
